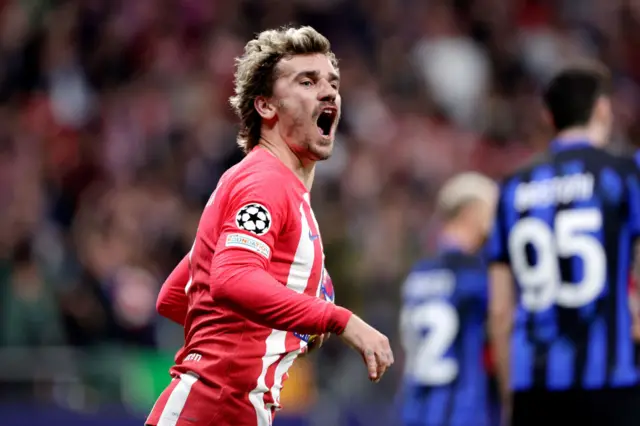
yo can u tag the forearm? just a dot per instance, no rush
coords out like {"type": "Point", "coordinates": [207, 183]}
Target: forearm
{"type": "Point", "coordinates": [255, 294]}
{"type": "Point", "coordinates": [500, 331]}
{"type": "Point", "coordinates": [501, 311]}
{"type": "Point", "coordinates": [172, 301]}
{"type": "Point", "coordinates": [634, 294]}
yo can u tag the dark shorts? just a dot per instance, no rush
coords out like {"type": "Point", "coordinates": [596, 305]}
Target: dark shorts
{"type": "Point", "coordinates": [607, 407]}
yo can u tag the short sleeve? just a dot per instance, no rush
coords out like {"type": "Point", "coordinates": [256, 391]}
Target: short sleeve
{"type": "Point", "coordinates": [473, 283]}
{"type": "Point", "coordinates": [496, 247]}
{"type": "Point", "coordinates": [256, 213]}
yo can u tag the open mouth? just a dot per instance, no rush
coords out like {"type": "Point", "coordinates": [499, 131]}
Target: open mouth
{"type": "Point", "coordinates": [325, 121]}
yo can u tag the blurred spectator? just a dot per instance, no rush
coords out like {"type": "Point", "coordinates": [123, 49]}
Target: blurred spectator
{"type": "Point", "coordinates": [30, 314]}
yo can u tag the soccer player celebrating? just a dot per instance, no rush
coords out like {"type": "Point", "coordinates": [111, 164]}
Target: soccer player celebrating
{"type": "Point", "coordinates": [445, 311]}
{"type": "Point", "coordinates": [253, 276]}
{"type": "Point", "coordinates": [561, 254]}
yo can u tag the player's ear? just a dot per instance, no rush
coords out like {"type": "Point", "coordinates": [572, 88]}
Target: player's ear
{"type": "Point", "coordinates": [602, 110]}
{"type": "Point", "coordinates": [265, 107]}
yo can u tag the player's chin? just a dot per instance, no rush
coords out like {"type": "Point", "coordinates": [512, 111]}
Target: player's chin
{"type": "Point", "coordinates": [322, 148]}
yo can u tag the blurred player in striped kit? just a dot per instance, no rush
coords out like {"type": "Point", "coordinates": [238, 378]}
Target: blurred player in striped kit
{"type": "Point", "coordinates": [562, 254]}
{"type": "Point", "coordinates": [444, 313]}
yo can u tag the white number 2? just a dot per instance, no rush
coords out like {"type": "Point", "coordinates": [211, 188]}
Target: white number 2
{"type": "Point", "coordinates": [541, 283]}
{"type": "Point", "coordinates": [426, 360]}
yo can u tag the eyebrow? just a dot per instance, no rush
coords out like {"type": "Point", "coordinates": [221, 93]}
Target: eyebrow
{"type": "Point", "coordinates": [315, 74]}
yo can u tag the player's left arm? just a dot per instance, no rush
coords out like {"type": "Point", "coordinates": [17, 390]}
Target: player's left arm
{"type": "Point", "coordinates": [633, 184]}
{"type": "Point", "coordinates": [501, 305]}
{"type": "Point", "coordinates": [634, 293]}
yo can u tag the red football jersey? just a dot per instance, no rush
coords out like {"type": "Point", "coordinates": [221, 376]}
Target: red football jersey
{"type": "Point", "coordinates": [255, 270]}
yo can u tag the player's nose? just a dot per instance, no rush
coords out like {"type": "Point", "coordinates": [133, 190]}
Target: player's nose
{"type": "Point", "coordinates": [327, 92]}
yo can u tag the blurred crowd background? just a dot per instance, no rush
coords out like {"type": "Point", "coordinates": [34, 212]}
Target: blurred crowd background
{"type": "Point", "coordinates": [115, 127]}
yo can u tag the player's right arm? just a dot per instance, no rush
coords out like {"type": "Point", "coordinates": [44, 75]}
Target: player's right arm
{"type": "Point", "coordinates": [240, 278]}
{"type": "Point", "coordinates": [172, 301]}
{"type": "Point", "coordinates": [501, 304]}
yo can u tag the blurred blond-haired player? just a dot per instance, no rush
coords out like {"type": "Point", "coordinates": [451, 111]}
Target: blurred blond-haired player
{"type": "Point", "coordinates": [444, 312]}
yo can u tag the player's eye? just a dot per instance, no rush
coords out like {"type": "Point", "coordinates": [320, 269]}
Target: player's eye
{"type": "Point", "coordinates": [306, 83]}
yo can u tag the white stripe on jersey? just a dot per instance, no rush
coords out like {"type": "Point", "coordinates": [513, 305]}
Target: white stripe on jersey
{"type": "Point", "coordinates": [173, 408]}
{"type": "Point", "coordinates": [281, 370]}
{"type": "Point", "coordinates": [297, 280]}
{"type": "Point", "coordinates": [304, 258]}
{"type": "Point", "coordinates": [275, 344]}
{"type": "Point", "coordinates": [307, 198]}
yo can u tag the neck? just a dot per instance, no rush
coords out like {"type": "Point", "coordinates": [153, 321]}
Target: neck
{"type": "Point", "coordinates": [305, 171]}
{"type": "Point", "coordinates": [589, 134]}
{"type": "Point", "coordinates": [457, 234]}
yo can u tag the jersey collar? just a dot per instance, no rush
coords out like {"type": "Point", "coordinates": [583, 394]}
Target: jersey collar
{"type": "Point", "coordinates": [559, 144]}
{"type": "Point", "coordinates": [447, 245]}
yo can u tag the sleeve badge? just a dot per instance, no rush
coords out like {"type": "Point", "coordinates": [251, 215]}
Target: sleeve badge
{"type": "Point", "coordinates": [254, 218]}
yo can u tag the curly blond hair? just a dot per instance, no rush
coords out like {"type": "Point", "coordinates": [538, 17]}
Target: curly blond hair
{"type": "Point", "coordinates": [255, 72]}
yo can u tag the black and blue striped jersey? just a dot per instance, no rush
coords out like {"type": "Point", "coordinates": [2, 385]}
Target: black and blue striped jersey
{"type": "Point", "coordinates": [443, 332]}
{"type": "Point", "coordinates": [566, 225]}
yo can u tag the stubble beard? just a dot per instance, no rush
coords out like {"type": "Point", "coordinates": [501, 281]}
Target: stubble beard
{"type": "Point", "coordinates": [319, 147]}
{"type": "Point", "coordinates": [321, 151]}
{"type": "Point", "coordinates": [310, 144]}
{"type": "Point", "coordinates": [316, 147]}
